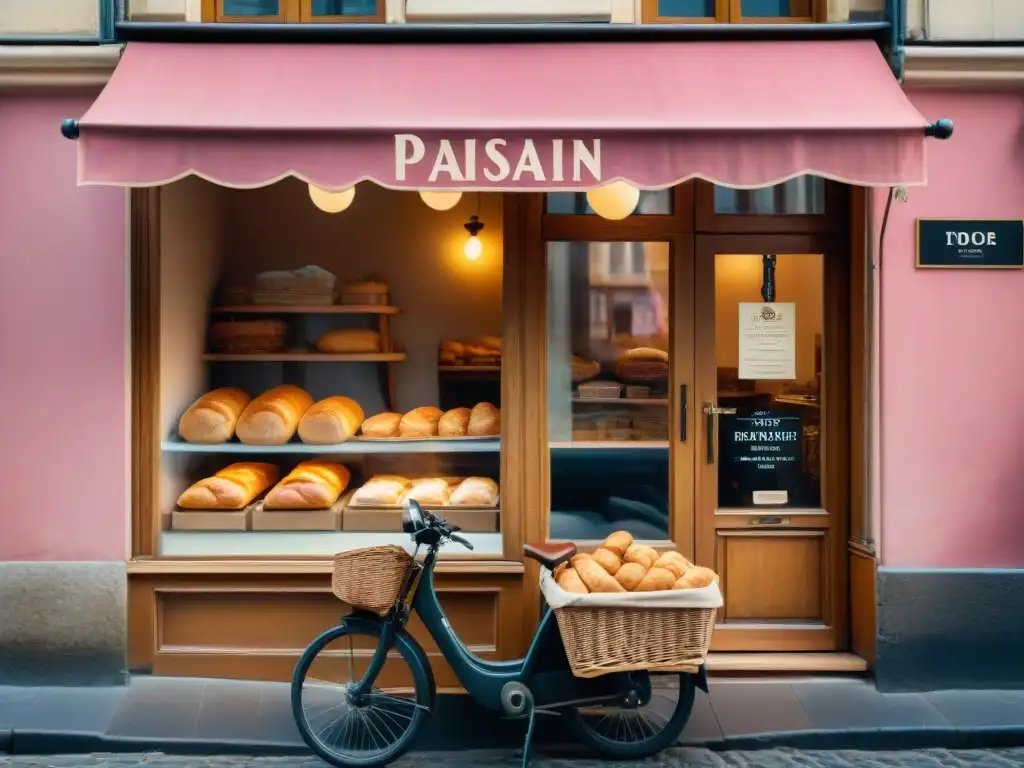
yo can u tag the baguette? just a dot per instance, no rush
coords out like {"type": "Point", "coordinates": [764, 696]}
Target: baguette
{"type": "Point", "coordinates": [233, 487]}
{"type": "Point", "coordinates": [273, 417]}
{"type": "Point", "coordinates": [331, 421]}
{"type": "Point", "coordinates": [420, 422]}
{"type": "Point", "coordinates": [311, 485]}
{"type": "Point", "coordinates": [212, 418]}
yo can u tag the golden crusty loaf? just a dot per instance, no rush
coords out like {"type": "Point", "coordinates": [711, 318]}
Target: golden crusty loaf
{"type": "Point", "coordinates": [484, 419]}
{"type": "Point", "coordinates": [696, 577]}
{"type": "Point", "coordinates": [420, 422]}
{"type": "Point", "coordinates": [212, 418]}
{"type": "Point", "coordinates": [570, 581]}
{"type": "Point", "coordinates": [656, 579]}
{"type": "Point", "coordinates": [608, 560]}
{"type": "Point", "coordinates": [330, 421]}
{"type": "Point", "coordinates": [382, 425]}
{"type": "Point", "coordinates": [233, 487]}
{"type": "Point", "coordinates": [594, 576]}
{"type": "Point", "coordinates": [640, 553]}
{"type": "Point", "coordinates": [630, 575]}
{"type": "Point", "coordinates": [475, 492]}
{"type": "Point", "coordinates": [454, 423]}
{"type": "Point", "coordinates": [311, 485]}
{"type": "Point", "coordinates": [273, 417]}
{"type": "Point", "coordinates": [348, 341]}
{"type": "Point", "coordinates": [382, 490]}
{"type": "Point", "coordinates": [430, 491]}
{"type": "Point", "coordinates": [673, 561]}
{"type": "Point", "coordinates": [619, 542]}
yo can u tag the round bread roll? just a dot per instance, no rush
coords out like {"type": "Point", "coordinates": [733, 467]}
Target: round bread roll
{"type": "Point", "coordinates": [594, 576]}
{"type": "Point", "coordinates": [330, 421]}
{"type": "Point", "coordinates": [420, 422]}
{"type": "Point", "coordinates": [454, 423]}
{"type": "Point", "coordinates": [382, 425]}
{"type": "Point", "coordinates": [640, 553]}
{"type": "Point", "coordinates": [630, 575]}
{"type": "Point", "coordinates": [570, 581]}
{"type": "Point", "coordinates": [484, 419]}
{"type": "Point", "coordinates": [656, 579]}
{"type": "Point", "coordinates": [673, 561]}
{"type": "Point", "coordinates": [618, 542]}
{"type": "Point", "coordinates": [696, 577]}
{"type": "Point", "coordinates": [607, 560]}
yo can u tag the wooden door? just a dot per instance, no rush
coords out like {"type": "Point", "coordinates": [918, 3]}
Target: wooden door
{"type": "Point", "coordinates": [770, 403]}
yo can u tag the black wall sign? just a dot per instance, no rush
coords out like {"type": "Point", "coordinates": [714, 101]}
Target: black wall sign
{"type": "Point", "coordinates": [970, 244]}
{"type": "Point", "coordinates": [761, 452]}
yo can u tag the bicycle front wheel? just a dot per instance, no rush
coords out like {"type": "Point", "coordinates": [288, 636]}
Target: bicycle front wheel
{"type": "Point", "coordinates": [368, 731]}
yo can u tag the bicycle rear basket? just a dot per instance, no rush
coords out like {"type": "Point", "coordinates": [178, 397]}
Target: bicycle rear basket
{"type": "Point", "coordinates": [370, 578]}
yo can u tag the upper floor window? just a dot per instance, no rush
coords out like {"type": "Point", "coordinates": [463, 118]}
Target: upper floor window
{"type": "Point", "coordinates": [725, 11]}
{"type": "Point", "coordinates": [283, 11]}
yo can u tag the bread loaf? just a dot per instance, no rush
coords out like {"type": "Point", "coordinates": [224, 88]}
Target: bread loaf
{"type": "Point", "coordinates": [382, 490]}
{"type": "Point", "coordinates": [608, 560]}
{"type": "Point", "coordinates": [311, 485]}
{"type": "Point", "coordinates": [454, 423]}
{"type": "Point", "coordinates": [640, 553]}
{"type": "Point", "coordinates": [350, 341]}
{"type": "Point", "coordinates": [674, 562]}
{"type": "Point", "coordinates": [233, 487]}
{"type": "Point", "coordinates": [656, 579]}
{"type": "Point", "coordinates": [430, 491]}
{"type": "Point", "coordinates": [331, 421]}
{"type": "Point", "coordinates": [570, 581]}
{"type": "Point", "coordinates": [475, 492]}
{"type": "Point", "coordinates": [273, 417]}
{"type": "Point", "coordinates": [630, 575]}
{"type": "Point", "coordinates": [618, 542]}
{"type": "Point", "coordinates": [212, 418]}
{"type": "Point", "coordinates": [484, 419]}
{"type": "Point", "coordinates": [696, 577]}
{"type": "Point", "coordinates": [382, 425]}
{"type": "Point", "coordinates": [420, 422]}
{"type": "Point", "coordinates": [594, 576]}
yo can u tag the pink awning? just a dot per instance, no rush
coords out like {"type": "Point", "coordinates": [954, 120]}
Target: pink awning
{"type": "Point", "coordinates": [503, 116]}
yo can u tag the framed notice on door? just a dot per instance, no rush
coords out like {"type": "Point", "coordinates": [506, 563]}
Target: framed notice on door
{"type": "Point", "coordinates": [767, 340]}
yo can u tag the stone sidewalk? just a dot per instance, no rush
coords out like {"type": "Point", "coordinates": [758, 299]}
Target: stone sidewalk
{"type": "Point", "coordinates": [200, 716]}
{"type": "Point", "coordinates": [688, 758]}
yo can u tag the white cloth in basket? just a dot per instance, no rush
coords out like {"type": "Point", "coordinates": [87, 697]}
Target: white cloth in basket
{"type": "Point", "coordinates": [704, 597]}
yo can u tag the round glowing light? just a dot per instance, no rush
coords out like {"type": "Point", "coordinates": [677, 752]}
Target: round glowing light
{"type": "Point", "coordinates": [331, 202]}
{"type": "Point", "coordinates": [440, 200]}
{"type": "Point", "coordinates": [614, 201]}
{"type": "Point", "coordinates": [473, 248]}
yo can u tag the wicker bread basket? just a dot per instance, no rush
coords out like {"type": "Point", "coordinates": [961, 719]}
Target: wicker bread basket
{"type": "Point", "coordinates": [601, 640]}
{"type": "Point", "coordinates": [370, 578]}
{"type": "Point", "coordinates": [248, 337]}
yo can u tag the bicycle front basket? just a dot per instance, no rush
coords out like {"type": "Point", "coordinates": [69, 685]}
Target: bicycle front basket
{"type": "Point", "coordinates": [370, 578]}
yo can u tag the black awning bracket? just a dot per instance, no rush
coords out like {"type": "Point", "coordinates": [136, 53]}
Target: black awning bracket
{"type": "Point", "coordinates": [941, 129]}
{"type": "Point", "coordinates": [69, 128]}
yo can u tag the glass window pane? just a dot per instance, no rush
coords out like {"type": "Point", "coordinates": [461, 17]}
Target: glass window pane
{"type": "Point", "coordinates": [686, 8]}
{"type": "Point", "coordinates": [801, 196]}
{"type": "Point", "coordinates": [608, 422]}
{"type": "Point", "coordinates": [767, 9]}
{"type": "Point", "coordinates": [250, 7]}
{"type": "Point", "coordinates": [652, 203]}
{"type": "Point", "coordinates": [769, 451]}
{"type": "Point", "coordinates": [344, 7]}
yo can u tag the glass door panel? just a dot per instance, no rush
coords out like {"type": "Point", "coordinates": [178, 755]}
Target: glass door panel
{"type": "Point", "coordinates": [770, 507]}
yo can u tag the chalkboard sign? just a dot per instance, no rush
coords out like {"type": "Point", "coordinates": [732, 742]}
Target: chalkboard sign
{"type": "Point", "coordinates": [758, 453]}
{"type": "Point", "coordinates": [970, 244]}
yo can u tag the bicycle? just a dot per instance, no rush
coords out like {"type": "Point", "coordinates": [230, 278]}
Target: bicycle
{"type": "Point", "coordinates": [379, 723]}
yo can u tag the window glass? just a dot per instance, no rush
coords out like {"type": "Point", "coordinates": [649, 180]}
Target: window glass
{"type": "Point", "coordinates": [652, 203]}
{"type": "Point", "coordinates": [801, 196]}
{"type": "Point", "coordinates": [250, 7]}
{"type": "Point", "coordinates": [379, 304]}
{"type": "Point", "coordinates": [686, 8]}
{"type": "Point", "coordinates": [344, 7]}
{"type": "Point", "coordinates": [608, 416]}
{"type": "Point", "coordinates": [767, 9]}
{"type": "Point", "coordinates": [772, 444]}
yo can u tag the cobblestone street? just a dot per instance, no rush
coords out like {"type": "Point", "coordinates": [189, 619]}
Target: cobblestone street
{"type": "Point", "coordinates": [691, 758]}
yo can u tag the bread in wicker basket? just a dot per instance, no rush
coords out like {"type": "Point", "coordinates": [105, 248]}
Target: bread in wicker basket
{"type": "Point", "coordinates": [583, 369]}
{"type": "Point", "coordinates": [248, 337]}
{"type": "Point", "coordinates": [642, 365]}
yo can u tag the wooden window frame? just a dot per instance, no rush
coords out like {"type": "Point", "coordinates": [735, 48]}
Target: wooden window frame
{"type": "Point", "coordinates": [730, 12]}
{"type": "Point", "coordinates": [833, 221]}
{"type": "Point", "coordinates": [291, 12]}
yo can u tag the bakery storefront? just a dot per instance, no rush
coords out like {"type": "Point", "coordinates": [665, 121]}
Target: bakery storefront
{"type": "Point", "coordinates": [576, 298]}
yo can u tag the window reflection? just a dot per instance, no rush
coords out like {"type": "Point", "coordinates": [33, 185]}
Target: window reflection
{"type": "Point", "coordinates": [686, 8]}
{"type": "Point", "coordinates": [608, 388]}
{"type": "Point", "coordinates": [768, 9]}
{"type": "Point", "coordinates": [250, 7]}
{"type": "Point", "coordinates": [802, 196]}
{"type": "Point", "coordinates": [652, 203]}
{"type": "Point", "coordinates": [344, 7]}
{"type": "Point", "coordinates": [769, 451]}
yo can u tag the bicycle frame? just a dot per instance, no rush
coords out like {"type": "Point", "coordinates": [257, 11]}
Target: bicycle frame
{"type": "Point", "coordinates": [544, 669]}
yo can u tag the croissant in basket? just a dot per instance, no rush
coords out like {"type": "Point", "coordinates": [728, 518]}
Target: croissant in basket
{"type": "Point", "coordinates": [620, 565]}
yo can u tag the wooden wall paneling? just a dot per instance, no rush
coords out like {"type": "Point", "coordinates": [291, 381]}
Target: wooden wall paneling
{"type": "Point", "coordinates": [860, 351]}
{"type": "Point", "coordinates": [144, 218]}
{"type": "Point", "coordinates": [863, 613]}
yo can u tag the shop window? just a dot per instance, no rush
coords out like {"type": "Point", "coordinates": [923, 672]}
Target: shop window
{"type": "Point", "coordinates": [770, 448]}
{"type": "Point", "coordinates": [260, 289]}
{"type": "Point", "coordinates": [775, 9]}
{"type": "Point", "coordinates": [608, 439]}
{"type": "Point", "coordinates": [803, 196]}
{"type": "Point", "coordinates": [342, 10]}
{"type": "Point", "coordinates": [230, 9]}
{"type": "Point", "coordinates": [652, 203]}
{"type": "Point", "coordinates": [293, 10]}
{"type": "Point", "coordinates": [725, 11]}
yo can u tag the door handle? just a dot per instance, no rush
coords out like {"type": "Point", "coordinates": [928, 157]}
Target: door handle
{"type": "Point", "coordinates": [711, 413]}
{"type": "Point", "coordinates": [682, 413]}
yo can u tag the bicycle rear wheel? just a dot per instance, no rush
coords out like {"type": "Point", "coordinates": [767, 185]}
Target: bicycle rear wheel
{"type": "Point", "coordinates": [642, 723]}
{"type": "Point", "coordinates": [358, 733]}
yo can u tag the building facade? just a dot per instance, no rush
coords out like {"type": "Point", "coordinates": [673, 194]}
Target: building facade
{"type": "Point", "coordinates": [898, 545]}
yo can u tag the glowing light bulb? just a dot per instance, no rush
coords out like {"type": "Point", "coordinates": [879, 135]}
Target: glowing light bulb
{"type": "Point", "coordinates": [473, 248]}
{"type": "Point", "coordinates": [440, 200]}
{"type": "Point", "coordinates": [331, 202]}
{"type": "Point", "coordinates": [614, 201]}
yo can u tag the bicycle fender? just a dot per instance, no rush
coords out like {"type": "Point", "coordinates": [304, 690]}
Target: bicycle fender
{"type": "Point", "coordinates": [372, 624]}
{"type": "Point", "coordinates": [702, 678]}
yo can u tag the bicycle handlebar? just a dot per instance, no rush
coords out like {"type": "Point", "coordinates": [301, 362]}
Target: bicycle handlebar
{"type": "Point", "coordinates": [458, 539]}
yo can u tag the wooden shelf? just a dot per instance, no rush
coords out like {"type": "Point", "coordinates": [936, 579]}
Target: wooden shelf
{"type": "Point", "coordinates": [620, 400]}
{"type": "Point", "coordinates": [611, 445]}
{"type": "Point", "coordinates": [354, 447]}
{"type": "Point", "coordinates": [313, 309]}
{"type": "Point", "coordinates": [469, 368]}
{"type": "Point", "coordinates": [307, 357]}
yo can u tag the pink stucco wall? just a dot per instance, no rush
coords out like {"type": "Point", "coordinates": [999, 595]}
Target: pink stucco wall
{"type": "Point", "coordinates": [63, 326]}
{"type": "Point", "coordinates": [952, 373]}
